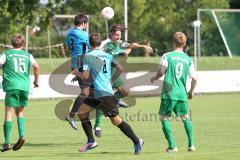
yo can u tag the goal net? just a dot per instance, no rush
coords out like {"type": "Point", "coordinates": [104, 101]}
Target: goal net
{"type": "Point", "coordinates": [219, 33]}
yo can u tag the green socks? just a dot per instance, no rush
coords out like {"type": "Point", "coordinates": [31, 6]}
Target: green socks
{"type": "Point", "coordinates": [21, 126]}
{"type": "Point", "coordinates": [7, 128]}
{"type": "Point", "coordinates": [166, 127]}
{"type": "Point", "coordinates": [188, 128]}
{"type": "Point", "coordinates": [98, 118]}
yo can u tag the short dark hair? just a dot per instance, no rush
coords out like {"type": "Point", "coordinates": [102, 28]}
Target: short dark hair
{"type": "Point", "coordinates": [18, 40]}
{"type": "Point", "coordinates": [117, 27]}
{"type": "Point", "coordinates": [95, 39]}
{"type": "Point", "coordinates": [80, 18]}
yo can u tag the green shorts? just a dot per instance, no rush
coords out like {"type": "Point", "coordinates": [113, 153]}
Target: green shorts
{"type": "Point", "coordinates": [16, 98]}
{"type": "Point", "coordinates": [178, 107]}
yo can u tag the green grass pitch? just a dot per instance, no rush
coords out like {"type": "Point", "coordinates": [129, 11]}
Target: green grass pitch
{"type": "Point", "coordinates": [215, 120]}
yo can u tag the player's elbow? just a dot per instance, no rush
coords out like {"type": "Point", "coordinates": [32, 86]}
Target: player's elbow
{"type": "Point", "coordinates": [36, 67]}
{"type": "Point", "coordinates": [84, 76]}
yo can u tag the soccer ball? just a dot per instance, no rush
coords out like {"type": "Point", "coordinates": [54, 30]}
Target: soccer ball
{"type": "Point", "coordinates": [107, 13]}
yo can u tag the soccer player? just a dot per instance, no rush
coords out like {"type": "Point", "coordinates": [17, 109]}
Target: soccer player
{"type": "Point", "coordinates": [176, 66]}
{"type": "Point", "coordinates": [16, 64]}
{"type": "Point", "coordinates": [78, 43]}
{"type": "Point", "coordinates": [116, 47]}
{"type": "Point", "coordinates": [98, 64]}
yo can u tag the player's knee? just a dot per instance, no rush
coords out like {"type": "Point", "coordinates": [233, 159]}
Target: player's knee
{"type": "Point", "coordinates": [116, 120]}
{"type": "Point", "coordinates": [125, 92]}
{"type": "Point", "coordinates": [184, 117]}
{"type": "Point", "coordinates": [82, 116]}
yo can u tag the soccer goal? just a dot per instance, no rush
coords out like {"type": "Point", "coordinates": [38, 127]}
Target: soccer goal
{"type": "Point", "coordinates": [218, 34]}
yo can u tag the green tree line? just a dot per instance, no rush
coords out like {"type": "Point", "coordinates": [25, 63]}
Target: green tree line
{"type": "Point", "coordinates": [148, 20]}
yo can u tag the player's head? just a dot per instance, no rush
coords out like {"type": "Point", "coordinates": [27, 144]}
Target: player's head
{"type": "Point", "coordinates": [80, 20]}
{"type": "Point", "coordinates": [179, 40]}
{"type": "Point", "coordinates": [116, 32]}
{"type": "Point", "coordinates": [95, 40]}
{"type": "Point", "coordinates": [18, 41]}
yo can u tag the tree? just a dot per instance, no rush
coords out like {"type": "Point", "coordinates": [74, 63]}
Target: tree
{"type": "Point", "coordinates": [16, 14]}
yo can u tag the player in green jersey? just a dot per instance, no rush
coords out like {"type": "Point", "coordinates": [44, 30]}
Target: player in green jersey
{"type": "Point", "coordinates": [115, 46]}
{"type": "Point", "coordinates": [176, 66]}
{"type": "Point", "coordinates": [16, 83]}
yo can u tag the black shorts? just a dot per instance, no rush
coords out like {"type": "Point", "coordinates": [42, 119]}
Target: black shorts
{"type": "Point", "coordinates": [107, 104]}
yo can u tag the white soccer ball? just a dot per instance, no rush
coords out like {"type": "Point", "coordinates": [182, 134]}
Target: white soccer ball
{"type": "Point", "coordinates": [107, 13]}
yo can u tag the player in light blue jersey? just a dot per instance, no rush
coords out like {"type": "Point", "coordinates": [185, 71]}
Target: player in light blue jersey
{"type": "Point", "coordinates": [98, 64]}
{"type": "Point", "coordinates": [78, 43]}
{"type": "Point", "coordinates": [97, 60]}
{"type": "Point", "coordinates": [116, 47]}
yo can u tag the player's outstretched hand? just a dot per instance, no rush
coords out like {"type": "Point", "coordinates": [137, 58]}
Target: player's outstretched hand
{"type": "Point", "coordinates": [35, 83]}
{"type": "Point", "coordinates": [190, 95]}
{"type": "Point", "coordinates": [148, 49]}
{"type": "Point", "coordinates": [152, 79]}
{"type": "Point", "coordinates": [74, 79]}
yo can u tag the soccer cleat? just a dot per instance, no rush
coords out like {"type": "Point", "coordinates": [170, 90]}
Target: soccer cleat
{"type": "Point", "coordinates": [191, 149]}
{"type": "Point", "coordinates": [173, 150]}
{"type": "Point", "coordinates": [88, 146]}
{"type": "Point", "coordinates": [71, 121]}
{"type": "Point", "coordinates": [19, 144]}
{"type": "Point", "coordinates": [138, 147]}
{"type": "Point", "coordinates": [98, 132]}
{"type": "Point", "coordinates": [6, 147]}
{"type": "Point", "coordinates": [123, 104]}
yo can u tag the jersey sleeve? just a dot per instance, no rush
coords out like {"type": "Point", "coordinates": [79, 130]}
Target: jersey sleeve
{"type": "Point", "coordinates": [32, 60]}
{"type": "Point", "coordinates": [104, 43]}
{"type": "Point", "coordinates": [2, 59]}
{"type": "Point", "coordinates": [192, 71]}
{"type": "Point", "coordinates": [163, 61]}
{"type": "Point", "coordinates": [83, 38]}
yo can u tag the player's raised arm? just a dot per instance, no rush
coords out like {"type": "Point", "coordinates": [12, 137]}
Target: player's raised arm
{"type": "Point", "coordinates": [136, 45]}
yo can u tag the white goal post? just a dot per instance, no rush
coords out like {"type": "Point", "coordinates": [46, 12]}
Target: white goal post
{"type": "Point", "coordinates": [197, 31]}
